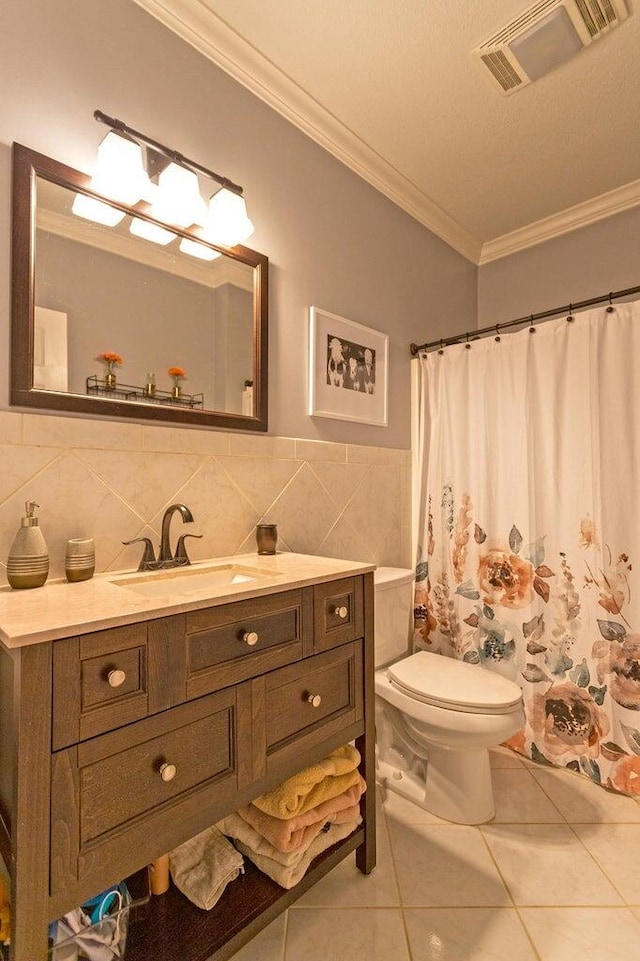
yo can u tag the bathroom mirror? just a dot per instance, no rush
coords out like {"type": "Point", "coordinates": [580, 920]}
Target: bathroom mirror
{"type": "Point", "coordinates": [82, 290]}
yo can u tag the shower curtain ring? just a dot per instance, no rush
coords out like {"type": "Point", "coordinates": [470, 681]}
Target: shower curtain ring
{"type": "Point", "coordinates": [610, 308]}
{"type": "Point", "coordinates": [532, 329]}
{"type": "Point", "coordinates": [467, 345]}
{"type": "Point", "coordinates": [497, 337]}
{"type": "Point", "coordinates": [441, 351]}
{"type": "Point", "coordinates": [570, 317]}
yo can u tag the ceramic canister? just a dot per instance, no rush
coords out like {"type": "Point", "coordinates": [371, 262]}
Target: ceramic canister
{"type": "Point", "coordinates": [80, 559]}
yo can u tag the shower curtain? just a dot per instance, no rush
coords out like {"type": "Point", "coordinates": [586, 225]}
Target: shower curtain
{"type": "Point", "coordinates": [528, 451]}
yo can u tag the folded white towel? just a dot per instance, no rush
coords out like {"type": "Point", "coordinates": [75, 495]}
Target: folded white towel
{"type": "Point", "coordinates": [203, 866]}
{"type": "Point", "coordinates": [287, 876]}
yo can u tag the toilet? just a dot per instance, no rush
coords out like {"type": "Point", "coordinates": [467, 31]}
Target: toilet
{"type": "Point", "coordinates": [436, 717]}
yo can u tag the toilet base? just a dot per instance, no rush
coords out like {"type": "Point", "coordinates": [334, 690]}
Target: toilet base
{"type": "Point", "coordinates": [457, 787]}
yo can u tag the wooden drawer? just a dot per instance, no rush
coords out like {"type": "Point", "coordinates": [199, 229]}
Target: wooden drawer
{"type": "Point", "coordinates": [99, 682]}
{"type": "Point", "coordinates": [307, 703]}
{"type": "Point", "coordinates": [338, 612]}
{"type": "Point", "coordinates": [109, 790]}
{"type": "Point", "coordinates": [228, 644]}
{"type": "Point", "coordinates": [117, 788]}
{"type": "Point", "coordinates": [106, 679]}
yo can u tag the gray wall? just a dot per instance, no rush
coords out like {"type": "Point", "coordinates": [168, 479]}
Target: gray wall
{"type": "Point", "coordinates": [577, 266]}
{"type": "Point", "coordinates": [332, 240]}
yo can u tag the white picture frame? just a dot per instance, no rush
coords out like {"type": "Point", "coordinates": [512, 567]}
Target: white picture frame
{"type": "Point", "coordinates": [348, 369]}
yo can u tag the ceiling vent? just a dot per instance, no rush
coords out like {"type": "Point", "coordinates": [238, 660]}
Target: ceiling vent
{"type": "Point", "coordinates": [544, 37]}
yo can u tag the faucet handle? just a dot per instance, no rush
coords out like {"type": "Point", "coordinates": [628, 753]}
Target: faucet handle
{"type": "Point", "coordinates": [148, 557]}
{"type": "Point", "coordinates": [181, 555]}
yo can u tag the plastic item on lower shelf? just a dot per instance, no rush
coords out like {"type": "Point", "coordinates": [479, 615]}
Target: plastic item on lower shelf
{"type": "Point", "coordinates": [97, 931]}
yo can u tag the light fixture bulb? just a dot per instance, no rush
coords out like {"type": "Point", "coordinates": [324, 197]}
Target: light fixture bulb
{"type": "Point", "coordinates": [178, 200]}
{"type": "Point", "coordinates": [119, 171]}
{"type": "Point", "coordinates": [194, 249]}
{"type": "Point", "coordinates": [227, 221]}
{"type": "Point", "coordinates": [91, 209]}
{"type": "Point", "coordinates": [152, 232]}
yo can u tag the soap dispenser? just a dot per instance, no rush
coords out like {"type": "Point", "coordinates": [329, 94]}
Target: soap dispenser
{"type": "Point", "coordinates": [28, 562]}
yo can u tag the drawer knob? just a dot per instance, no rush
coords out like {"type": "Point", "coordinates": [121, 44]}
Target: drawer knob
{"type": "Point", "coordinates": [341, 611]}
{"type": "Point", "coordinates": [314, 700]}
{"type": "Point", "coordinates": [168, 771]}
{"type": "Point", "coordinates": [250, 638]}
{"type": "Point", "coordinates": [116, 677]}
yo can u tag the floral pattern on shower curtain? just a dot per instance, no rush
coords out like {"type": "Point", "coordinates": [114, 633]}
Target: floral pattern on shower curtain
{"type": "Point", "coordinates": [529, 497]}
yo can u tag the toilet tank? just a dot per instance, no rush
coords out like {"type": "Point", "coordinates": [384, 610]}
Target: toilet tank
{"type": "Point", "coordinates": [393, 594]}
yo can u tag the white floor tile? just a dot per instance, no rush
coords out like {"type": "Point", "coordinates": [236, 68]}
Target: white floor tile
{"type": "Point", "coordinates": [444, 866]}
{"type": "Point", "coordinates": [570, 882]}
{"type": "Point", "coordinates": [616, 848]}
{"type": "Point", "coordinates": [399, 810]}
{"type": "Point", "coordinates": [581, 801]}
{"type": "Point", "coordinates": [346, 886]}
{"type": "Point", "coordinates": [319, 934]}
{"type": "Point", "coordinates": [546, 864]}
{"type": "Point", "coordinates": [587, 934]}
{"type": "Point", "coordinates": [462, 934]}
{"type": "Point", "coordinates": [520, 799]}
{"type": "Point", "coordinates": [266, 946]}
{"type": "Point", "coordinates": [504, 757]}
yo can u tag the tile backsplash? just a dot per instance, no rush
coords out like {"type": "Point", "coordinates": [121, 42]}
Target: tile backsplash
{"type": "Point", "coordinates": [113, 481]}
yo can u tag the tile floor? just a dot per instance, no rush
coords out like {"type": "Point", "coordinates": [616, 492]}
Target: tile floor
{"type": "Point", "coordinates": [552, 878]}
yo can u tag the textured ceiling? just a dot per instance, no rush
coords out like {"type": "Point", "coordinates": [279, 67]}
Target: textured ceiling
{"type": "Point", "coordinates": [394, 84]}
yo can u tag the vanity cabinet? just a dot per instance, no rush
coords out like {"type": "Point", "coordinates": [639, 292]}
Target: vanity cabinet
{"type": "Point", "coordinates": [119, 744]}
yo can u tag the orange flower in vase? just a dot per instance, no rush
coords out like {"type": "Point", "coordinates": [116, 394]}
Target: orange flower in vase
{"type": "Point", "coordinates": [178, 374]}
{"type": "Point", "coordinates": [112, 360]}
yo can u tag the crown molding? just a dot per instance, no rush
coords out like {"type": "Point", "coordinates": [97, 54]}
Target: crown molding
{"type": "Point", "coordinates": [198, 25]}
{"type": "Point", "coordinates": [193, 21]}
{"type": "Point", "coordinates": [581, 215]}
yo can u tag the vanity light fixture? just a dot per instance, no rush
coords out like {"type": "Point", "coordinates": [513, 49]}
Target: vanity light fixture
{"type": "Point", "coordinates": [202, 251]}
{"type": "Point", "coordinates": [128, 163]}
{"type": "Point", "coordinates": [178, 200]}
{"type": "Point", "coordinates": [149, 231]}
{"type": "Point", "coordinates": [227, 218]}
{"type": "Point", "coordinates": [119, 171]}
{"type": "Point", "coordinates": [91, 209]}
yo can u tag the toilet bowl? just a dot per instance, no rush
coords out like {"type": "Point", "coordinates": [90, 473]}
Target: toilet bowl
{"type": "Point", "coordinates": [436, 717]}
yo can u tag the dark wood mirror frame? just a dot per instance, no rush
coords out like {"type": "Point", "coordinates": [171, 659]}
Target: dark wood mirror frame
{"type": "Point", "coordinates": [29, 165]}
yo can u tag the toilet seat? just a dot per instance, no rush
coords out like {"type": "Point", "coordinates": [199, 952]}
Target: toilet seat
{"type": "Point", "coordinates": [454, 685]}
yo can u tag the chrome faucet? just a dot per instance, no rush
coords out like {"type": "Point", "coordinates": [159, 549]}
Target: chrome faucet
{"type": "Point", "coordinates": [166, 558]}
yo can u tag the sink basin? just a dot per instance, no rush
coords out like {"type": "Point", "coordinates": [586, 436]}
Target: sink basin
{"type": "Point", "coordinates": [181, 581]}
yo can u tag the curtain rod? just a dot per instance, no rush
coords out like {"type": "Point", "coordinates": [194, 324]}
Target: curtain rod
{"type": "Point", "coordinates": [529, 319]}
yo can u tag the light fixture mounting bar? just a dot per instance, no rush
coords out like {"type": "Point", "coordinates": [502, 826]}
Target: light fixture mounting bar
{"type": "Point", "coordinates": [120, 127]}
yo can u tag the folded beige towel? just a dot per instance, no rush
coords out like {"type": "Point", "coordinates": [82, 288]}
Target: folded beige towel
{"type": "Point", "coordinates": [315, 784]}
{"type": "Point", "coordinates": [203, 866]}
{"type": "Point", "coordinates": [296, 832]}
{"type": "Point", "coordinates": [287, 876]}
{"type": "Point", "coordinates": [237, 828]}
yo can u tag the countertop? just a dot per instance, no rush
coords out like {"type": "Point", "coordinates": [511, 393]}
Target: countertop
{"type": "Point", "coordinates": [60, 609]}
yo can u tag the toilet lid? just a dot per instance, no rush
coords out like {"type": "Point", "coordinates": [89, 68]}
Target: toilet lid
{"type": "Point", "coordinates": [455, 685]}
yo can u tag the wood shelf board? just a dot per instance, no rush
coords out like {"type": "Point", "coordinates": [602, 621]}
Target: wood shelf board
{"type": "Point", "coordinates": [174, 929]}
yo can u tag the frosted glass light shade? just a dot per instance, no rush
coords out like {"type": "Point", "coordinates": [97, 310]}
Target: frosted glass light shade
{"type": "Point", "coordinates": [195, 249]}
{"type": "Point", "coordinates": [91, 209]}
{"type": "Point", "coordinates": [547, 45]}
{"type": "Point", "coordinates": [152, 232]}
{"type": "Point", "coordinates": [119, 171]}
{"type": "Point", "coordinates": [227, 221]}
{"type": "Point", "coordinates": [178, 200]}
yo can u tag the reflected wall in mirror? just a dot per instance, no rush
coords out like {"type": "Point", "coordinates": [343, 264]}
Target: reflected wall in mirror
{"type": "Point", "coordinates": [81, 289]}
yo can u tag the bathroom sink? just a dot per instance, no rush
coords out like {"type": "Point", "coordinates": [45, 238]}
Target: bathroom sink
{"type": "Point", "coordinates": [180, 581]}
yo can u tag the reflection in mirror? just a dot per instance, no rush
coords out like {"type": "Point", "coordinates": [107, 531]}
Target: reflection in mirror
{"type": "Point", "coordinates": [100, 289]}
